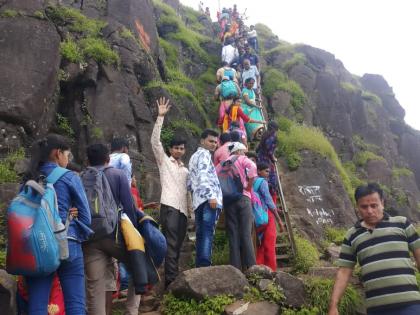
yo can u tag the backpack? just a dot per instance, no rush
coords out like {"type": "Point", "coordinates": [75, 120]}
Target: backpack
{"type": "Point", "coordinates": [103, 208]}
{"type": "Point", "coordinates": [229, 73]}
{"type": "Point", "coordinates": [260, 214]}
{"type": "Point", "coordinates": [230, 180]}
{"type": "Point", "coordinates": [37, 238]}
{"type": "Point", "coordinates": [231, 115]}
{"type": "Point", "coordinates": [155, 241]}
{"type": "Point", "coordinates": [228, 89]}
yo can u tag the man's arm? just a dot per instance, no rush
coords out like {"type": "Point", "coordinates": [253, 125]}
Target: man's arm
{"type": "Point", "coordinates": [416, 254]}
{"type": "Point", "coordinates": [341, 281]}
{"type": "Point", "coordinates": [157, 147]}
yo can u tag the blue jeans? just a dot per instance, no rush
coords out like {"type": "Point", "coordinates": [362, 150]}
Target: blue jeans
{"type": "Point", "coordinates": [124, 276]}
{"type": "Point", "coordinates": [72, 278]}
{"type": "Point", "coordinates": [403, 310]}
{"type": "Point", "coordinates": [205, 222]}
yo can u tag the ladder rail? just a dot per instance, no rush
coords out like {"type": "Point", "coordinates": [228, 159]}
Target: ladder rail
{"type": "Point", "coordinates": [280, 190]}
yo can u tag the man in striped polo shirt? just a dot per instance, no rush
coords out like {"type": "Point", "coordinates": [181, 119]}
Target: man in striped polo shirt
{"type": "Point", "coordinates": [381, 244]}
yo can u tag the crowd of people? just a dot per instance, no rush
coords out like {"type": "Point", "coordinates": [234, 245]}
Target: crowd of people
{"type": "Point", "coordinates": [221, 175]}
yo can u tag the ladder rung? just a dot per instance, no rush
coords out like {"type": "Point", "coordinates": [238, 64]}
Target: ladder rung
{"type": "Point", "coordinates": [282, 245]}
{"type": "Point", "coordinates": [282, 257]}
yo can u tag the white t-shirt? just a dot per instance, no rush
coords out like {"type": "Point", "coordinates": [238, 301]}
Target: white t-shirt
{"type": "Point", "coordinates": [229, 53]}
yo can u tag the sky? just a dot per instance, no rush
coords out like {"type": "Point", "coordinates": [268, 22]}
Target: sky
{"type": "Point", "coordinates": [368, 36]}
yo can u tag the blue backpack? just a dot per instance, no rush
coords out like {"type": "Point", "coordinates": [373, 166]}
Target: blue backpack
{"type": "Point", "coordinates": [37, 238]}
{"type": "Point", "coordinates": [230, 180]}
{"type": "Point", "coordinates": [228, 89]}
{"type": "Point", "coordinates": [155, 241]}
{"type": "Point", "coordinates": [229, 73]}
{"type": "Point", "coordinates": [260, 214]}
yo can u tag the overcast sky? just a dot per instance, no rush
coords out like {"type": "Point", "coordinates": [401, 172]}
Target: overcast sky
{"type": "Point", "coordinates": [368, 36]}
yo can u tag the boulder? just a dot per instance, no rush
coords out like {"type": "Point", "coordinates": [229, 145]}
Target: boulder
{"type": "Point", "coordinates": [262, 308]}
{"type": "Point", "coordinates": [198, 283]}
{"type": "Point", "coordinates": [260, 270]}
{"type": "Point", "coordinates": [7, 293]}
{"type": "Point", "coordinates": [237, 308]}
{"type": "Point", "coordinates": [263, 284]}
{"type": "Point", "coordinates": [293, 288]}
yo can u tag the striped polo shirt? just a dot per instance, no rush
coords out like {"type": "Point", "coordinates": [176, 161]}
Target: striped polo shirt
{"type": "Point", "coordinates": [383, 255]}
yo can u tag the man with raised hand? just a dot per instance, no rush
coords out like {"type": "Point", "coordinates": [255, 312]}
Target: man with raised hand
{"type": "Point", "coordinates": [381, 244]}
{"type": "Point", "coordinates": [174, 202]}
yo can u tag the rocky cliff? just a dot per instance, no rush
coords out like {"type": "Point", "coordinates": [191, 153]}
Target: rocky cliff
{"type": "Point", "coordinates": [92, 69]}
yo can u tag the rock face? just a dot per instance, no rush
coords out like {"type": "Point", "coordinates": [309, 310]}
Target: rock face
{"type": "Point", "coordinates": [209, 281]}
{"type": "Point", "coordinates": [293, 288]}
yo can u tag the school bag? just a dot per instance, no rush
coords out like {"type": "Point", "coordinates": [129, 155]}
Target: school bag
{"type": "Point", "coordinates": [155, 241]}
{"type": "Point", "coordinates": [103, 208]}
{"type": "Point", "coordinates": [228, 89]}
{"type": "Point", "coordinates": [260, 214]}
{"type": "Point", "coordinates": [230, 180]}
{"type": "Point", "coordinates": [37, 238]}
{"type": "Point", "coordinates": [229, 73]}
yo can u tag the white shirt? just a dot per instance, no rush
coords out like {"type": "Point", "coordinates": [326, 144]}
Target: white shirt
{"type": "Point", "coordinates": [229, 53]}
{"type": "Point", "coordinates": [173, 174]}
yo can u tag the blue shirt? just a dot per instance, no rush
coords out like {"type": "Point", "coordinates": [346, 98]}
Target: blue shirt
{"type": "Point", "coordinates": [264, 194]}
{"type": "Point", "coordinates": [202, 179]}
{"type": "Point", "coordinates": [122, 162]}
{"type": "Point", "coordinates": [70, 194]}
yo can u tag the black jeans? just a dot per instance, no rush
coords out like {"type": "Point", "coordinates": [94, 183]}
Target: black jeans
{"type": "Point", "coordinates": [239, 221]}
{"type": "Point", "coordinates": [174, 227]}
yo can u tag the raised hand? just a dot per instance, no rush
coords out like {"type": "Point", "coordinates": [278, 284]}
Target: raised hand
{"type": "Point", "coordinates": [163, 106]}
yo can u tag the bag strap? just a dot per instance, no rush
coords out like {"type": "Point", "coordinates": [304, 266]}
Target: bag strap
{"type": "Point", "coordinates": [56, 174]}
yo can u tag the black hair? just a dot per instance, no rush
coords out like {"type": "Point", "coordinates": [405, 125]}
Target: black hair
{"type": "Point", "coordinates": [235, 99]}
{"type": "Point", "coordinates": [225, 137]}
{"type": "Point", "coordinates": [225, 63]}
{"type": "Point", "coordinates": [365, 190]}
{"type": "Point", "coordinates": [176, 142]}
{"type": "Point", "coordinates": [249, 80]}
{"type": "Point", "coordinates": [119, 143]}
{"type": "Point", "coordinates": [98, 154]}
{"type": "Point", "coordinates": [209, 132]}
{"type": "Point", "coordinates": [235, 136]}
{"type": "Point", "coordinates": [40, 153]}
{"type": "Point", "coordinates": [251, 155]}
{"type": "Point", "coordinates": [262, 166]}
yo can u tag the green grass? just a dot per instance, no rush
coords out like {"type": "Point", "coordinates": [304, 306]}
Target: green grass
{"type": "Point", "coordinates": [364, 146]}
{"type": "Point", "coordinates": [209, 306]}
{"type": "Point", "coordinates": [274, 81]}
{"type": "Point", "coordinates": [307, 255]}
{"type": "Point", "coordinates": [127, 34]}
{"type": "Point", "coordinates": [400, 197]}
{"type": "Point", "coordinates": [220, 253]}
{"type": "Point", "coordinates": [319, 293]}
{"type": "Point", "coordinates": [182, 33]}
{"type": "Point", "coordinates": [302, 311]}
{"type": "Point", "coordinates": [192, 16]}
{"type": "Point", "coordinates": [9, 13]}
{"type": "Point", "coordinates": [398, 172]}
{"type": "Point", "coordinates": [349, 87]}
{"type": "Point", "coordinates": [298, 58]}
{"type": "Point", "coordinates": [99, 50]}
{"type": "Point", "coordinates": [335, 235]}
{"type": "Point", "coordinates": [7, 164]}
{"type": "Point", "coordinates": [302, 137]}
{"type": "Point", "coordinates": [371, 97]}
{"type": "Point", "coordinates": [274, 294]}
{"type": "Point", "coordinates": [186, 125]}
{"type": "Point", "coordinates": [71, 51]}
{"type": "Point", "coordinates": [350, 168]}
{"type": "Point", "coordinates": [171, 53]}
{"type": "Point", "coordinates": [362, 157]}
{"type": "Point", "coordinates": [39, 15]}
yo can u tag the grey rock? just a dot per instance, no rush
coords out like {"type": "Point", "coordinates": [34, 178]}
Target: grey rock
{"type": "Point", "coordinates": [237, 308]}
{"type": "Point", "coordinates": [293, 288]}
{"type": "Point", "coordinates": [263, 284]}
{"type": "Point", "coordinates": [7, 293]}
{"type": "Point", "coordinates": [262, 308]}
{"type": "Point", "coordinates": [198, 283]}
{"type": "Point", "coordinates": [260, 270]}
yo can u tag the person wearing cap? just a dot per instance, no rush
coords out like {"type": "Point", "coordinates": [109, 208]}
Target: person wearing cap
{"type": "Point", "coordinates": [238, 214]}
{"type": "Point", "coordinates": [226, 71]}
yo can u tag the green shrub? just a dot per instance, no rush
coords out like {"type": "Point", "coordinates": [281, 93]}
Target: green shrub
{"type": "Point", "coordinates": [2, 259]}
{"type": "Point", "coordinates": [70, 50]}
{"type": "Point", "coordinates": [99, 50]}
{"type": "Point", "coordinates": [7, 164]}
{"type": "Point", "coordinates": [364, 146]}
{"type": "Point", "coordinates": [298, 58]}
{"type": "Point", "coordinates": [400, 197]}
{"type": "Point", "coordinates": [274, 81]}
{"type": "Point", "coordinates": [319, 293]}
{"type": "Point", "coordinates": [362, 157]}
{"type": "Point", "coordinates": [302, 311]}
{"type": "Point", "coordinates": [398, 172]}
{"type": "Point", "coordinates": [350, 168]}
{"type": "Point", "coordinates": [284, 124]}
{"type": "Point", "coordinates": [208, 306]}
{"type": "Point", "coordinates": [273, 294]}
{"type": "Point", "coordinates": [220, 254]}
{"type": "Point", "coordinates": [371, 97]}
{"type": "Point", "coordinates": [166, 136]}
{"type": "Point", "coordinates": [187, 125]}
{"type": "Point", "coordinates": [171, 53]}
{"type": "Point", "coordinates": [335, 235]}
{"type": "Point", "coordinates": [39, 15]}
{"type": "Point", "coordinates": [306, 256]}
{"type": "Point", "coordinates": [191, 18]}
{"type": "Point", "coordinates": [97, 133]}
{"type": "Point", "coordinates": [64, 125]}
{"type": "Point", "coordinates": [127, 34]}
{"type": "Point", "coordinates": [302, 137]}
{"type": "Point", "coordinates": [9, 13]}
{"type": "Point", "coordinates": [349, 87]}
